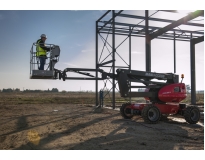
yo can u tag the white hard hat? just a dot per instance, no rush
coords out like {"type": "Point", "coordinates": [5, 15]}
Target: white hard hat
{"type": "Point", "coordinates": [43, 35]}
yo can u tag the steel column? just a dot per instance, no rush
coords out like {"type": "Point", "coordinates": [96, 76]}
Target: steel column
{"type": "Point", "coordinates": [193, 74]}
{"type": "Point", "coordinates": [147, 43]}
{"type": "Point", "coordinates": [113, 58]}
{"type": "Point", "coordinates": [130, 56]}
{"type": "Point", "coordinates": [193, 42]}
{"type": "Point", "coordinates": [174, 53]}
{"type": "Point", "coordinates": [130, 49]}
{"type": "Point", "coordinates": [96, 63]}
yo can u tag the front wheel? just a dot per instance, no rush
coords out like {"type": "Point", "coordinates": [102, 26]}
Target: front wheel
{"type": "Point", "coordinates": [151, 114]}
{"type": "Point", "coordinates": [192, 114]}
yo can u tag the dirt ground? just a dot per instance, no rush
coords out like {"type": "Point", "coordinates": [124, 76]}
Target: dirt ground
{"type": "Point", "coordinates": [54, 126]}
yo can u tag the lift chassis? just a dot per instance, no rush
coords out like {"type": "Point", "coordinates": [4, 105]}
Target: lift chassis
{"type": "Point", "coordinates": [163, 98]}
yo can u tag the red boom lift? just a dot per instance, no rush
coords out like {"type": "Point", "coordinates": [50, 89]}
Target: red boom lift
{"type": "Point", "coordinates": [163, 97]}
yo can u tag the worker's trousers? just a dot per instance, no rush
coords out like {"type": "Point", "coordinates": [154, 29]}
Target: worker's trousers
{"type": "Point", "coordinates": [42, 62]}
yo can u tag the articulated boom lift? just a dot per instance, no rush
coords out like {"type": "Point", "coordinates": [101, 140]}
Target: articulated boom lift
{"type": "Point", "coordinates": [163, 97]}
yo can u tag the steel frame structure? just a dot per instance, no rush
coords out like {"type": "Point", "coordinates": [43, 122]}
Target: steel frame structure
{"type": "Point", "coordinates": [150, 33]}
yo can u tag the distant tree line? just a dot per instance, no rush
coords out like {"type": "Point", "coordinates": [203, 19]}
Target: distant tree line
{"type": "Point", "coordinates": [188, 89]}
{"type": "Point", "coordinates": [28, 90]}
{"type": "Point", "coordinates": [10, 90]}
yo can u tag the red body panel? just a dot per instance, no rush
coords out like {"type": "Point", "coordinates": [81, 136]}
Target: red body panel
{"type": "Point", "coordinates": [138, 106]}
{"type": "Point", "coordinates": [169, 108]}
{"type": "Point", "coordinates": [172, 93]}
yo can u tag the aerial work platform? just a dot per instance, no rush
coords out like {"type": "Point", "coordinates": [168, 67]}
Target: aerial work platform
{"type": "Point", "coordinates": [52, 58]}
{"type": "Point", "coordinates": [41, 74]}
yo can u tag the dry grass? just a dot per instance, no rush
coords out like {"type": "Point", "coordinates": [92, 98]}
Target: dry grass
{"type": "Point", "coordinates": [72, 98]}
{"type": "Point", "coordinates": [199, 99]}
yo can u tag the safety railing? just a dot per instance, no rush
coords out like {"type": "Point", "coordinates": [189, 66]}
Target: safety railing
{"type": "Point", "coordinates": [52, 57]}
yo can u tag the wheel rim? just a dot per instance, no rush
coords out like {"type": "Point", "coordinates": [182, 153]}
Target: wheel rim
{"type": "Point", "coordinates": [194, 115]}
{"type": "Point", "coordinates": [153, 114]}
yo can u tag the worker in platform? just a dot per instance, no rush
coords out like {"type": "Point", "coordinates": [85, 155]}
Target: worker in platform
{"type": "Point", "coordinates": [41, 51]}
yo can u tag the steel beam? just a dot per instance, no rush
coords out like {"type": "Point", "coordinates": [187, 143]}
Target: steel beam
{"type": "Point", "coordinates": [168, 35]}
{"type": "Point", "coordinates": [186, 40]}
{"type": "Point", "coordinates": [150, 27]}
{"type": "Point", "coordinates": [183, 20]}
{"type": "Point", "coordinates": [82, 69]}
{"type": "Point", "coordinates": [82, 78]}
{"type": "Point", "coordinates": [112, 19]}
{"type": "Point", "coordinates": [102, 64]}
{"type": "Point", "coordinates": [151, 86]}
{"type": "Point", "coordinates": [198, 40]}
{"type": "Point", "coordinates": [103, 15]}
{"type": "Point", "coordinates": [116, 66]}
{"type": "Point", "coordinates": [159, 20]}
{"type": "Point", "coordinates": [140, 32]}
{"type": "Point", "coordinates": [173, 11]}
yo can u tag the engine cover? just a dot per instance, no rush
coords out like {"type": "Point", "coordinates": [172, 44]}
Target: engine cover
{"type": "Point", "coordinates": [172, 93]}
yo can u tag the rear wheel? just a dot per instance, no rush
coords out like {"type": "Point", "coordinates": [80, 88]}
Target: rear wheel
{"type": "Point", "coordinates": [192, 114]}
{"type": "Point", "coordinates": [125, 111]}
{"type": "Point", "coordinates": [151, 114]}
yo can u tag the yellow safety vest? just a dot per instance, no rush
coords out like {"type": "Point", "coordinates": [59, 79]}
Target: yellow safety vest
{"type": "Point", "coordinates": [40, 51]}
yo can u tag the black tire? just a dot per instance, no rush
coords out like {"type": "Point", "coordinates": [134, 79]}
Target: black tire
{"type": "Point", "coordinates": [192, 114]}
{"type": "Point", "coordinates": [151, 114]}
{"type": "Point", "coordinates": [123, 111]}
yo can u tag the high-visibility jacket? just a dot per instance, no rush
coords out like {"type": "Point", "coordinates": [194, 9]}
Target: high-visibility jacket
{"type": "Point", "coordinates": [39, 50]}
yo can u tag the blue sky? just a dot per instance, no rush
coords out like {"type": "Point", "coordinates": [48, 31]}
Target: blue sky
{"type": "Point", "coordinates": [74, 32]}
{"type": "Point", "coordinates": [71, 30]}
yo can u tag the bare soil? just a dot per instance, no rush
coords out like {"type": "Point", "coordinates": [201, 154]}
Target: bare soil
{"type": "Point", "coordinates": [62, 126]}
